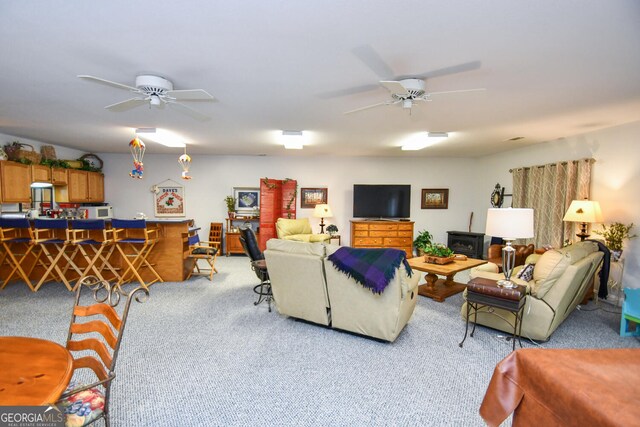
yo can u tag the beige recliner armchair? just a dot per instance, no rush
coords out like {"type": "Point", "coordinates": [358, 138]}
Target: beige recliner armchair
{"type": "Point", "coordinates": [561, 278]}
{"type": "Point", "coordinates": [298, 230]}
{"type": "Point", "coordinates": [305, 285]}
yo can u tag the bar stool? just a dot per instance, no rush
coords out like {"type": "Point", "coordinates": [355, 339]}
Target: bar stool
{"type": "Point", "coordinates": [80, 236]}
{"type": "Point", "coordinates": [126, 234]}
{"type": "Point", "coordinates": [50, 236]}
{"type": "Point", "coordinates": [13, 233]}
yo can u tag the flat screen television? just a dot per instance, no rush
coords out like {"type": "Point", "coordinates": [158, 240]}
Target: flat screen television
{"type": "Point", "coordinates": [381, 201]}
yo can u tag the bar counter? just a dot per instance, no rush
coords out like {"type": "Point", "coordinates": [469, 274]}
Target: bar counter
{"type": "Point", "coordinates": [167, 257]}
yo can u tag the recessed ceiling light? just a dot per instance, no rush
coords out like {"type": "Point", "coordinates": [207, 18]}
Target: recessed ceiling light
{"type": "Point", "coordinates": [292, 139]}
{"type": "Point", "coordinates": [162, 136]}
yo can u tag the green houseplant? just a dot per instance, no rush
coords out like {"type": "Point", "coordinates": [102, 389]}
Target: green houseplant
{"type": "Point", "coordinates": [230, 201]}
{"type": "Point", "coordinates": [614, 236]}
{"type": "Point", "coordinates": [438, 250]}
{"type": "Point", "coordinates": [332, 229]}
{"type": "Point", "coordinates": [422, 241]}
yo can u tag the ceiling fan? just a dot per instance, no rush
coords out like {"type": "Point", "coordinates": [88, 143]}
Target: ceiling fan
{"type": "Point", "coordinates": [405, 90]}
{"type": "Point", "coordinates": [156, 91]}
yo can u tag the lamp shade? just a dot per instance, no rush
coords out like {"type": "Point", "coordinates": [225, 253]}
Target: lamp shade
{"type": "Point", "coordinates": [583, 211]}
{"type": "Point", "coordinates": [322, 211]}
{"type": "Point", "coordinates": [510, 223]}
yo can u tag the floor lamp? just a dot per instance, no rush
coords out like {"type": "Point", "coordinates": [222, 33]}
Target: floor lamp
{"type": "Point", "coordinates": [510, 224]}
{"type": "Point", "coordinates": [585, 212]}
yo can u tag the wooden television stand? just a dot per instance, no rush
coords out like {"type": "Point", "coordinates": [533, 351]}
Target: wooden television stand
{"type": "Point", "coordinates": [383, 234]}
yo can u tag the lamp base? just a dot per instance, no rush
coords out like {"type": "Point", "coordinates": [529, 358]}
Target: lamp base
{"type": "Point", "coordinates": [321, 225]}
{"type": "Point", "coordinates": [507, 284]}
{"type": "Point", "coordinates": [583, 236]}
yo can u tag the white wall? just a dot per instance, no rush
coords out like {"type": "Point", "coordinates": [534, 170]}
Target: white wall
{"type": "Point", "coordinates": [615, 178]}
{"type": "Point", "coordinates": [215, 176]}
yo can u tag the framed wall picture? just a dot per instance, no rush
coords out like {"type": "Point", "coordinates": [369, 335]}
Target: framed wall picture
{"type": "Point", "coordinates": [310, 197]}
{"type": "Point", "coordinates": [435, 198]}
{"type": "Point", "coordinates": [169, 199]}
{"type": "Point", "coordinates": [247, 200]}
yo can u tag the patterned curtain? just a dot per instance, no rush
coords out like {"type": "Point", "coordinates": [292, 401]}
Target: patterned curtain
{"type": "Point", "coordinates": [549, 190]}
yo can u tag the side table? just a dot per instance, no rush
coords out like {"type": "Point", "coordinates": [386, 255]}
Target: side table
{"type": "Point", "coordinates": [485, 294]}
{"type": "Point", "coordinates": [335, 236]}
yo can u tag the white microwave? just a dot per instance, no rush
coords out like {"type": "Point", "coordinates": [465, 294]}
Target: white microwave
{"type": "Point", "coordinates": [98, 212]}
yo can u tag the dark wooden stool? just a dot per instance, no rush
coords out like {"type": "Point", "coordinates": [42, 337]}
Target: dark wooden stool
{"type": "Point", "coordinates": [485, 294]}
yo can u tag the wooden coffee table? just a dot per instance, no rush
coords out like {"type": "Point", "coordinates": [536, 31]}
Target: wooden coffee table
{"type": "Point", "coordinates": [440, 289]}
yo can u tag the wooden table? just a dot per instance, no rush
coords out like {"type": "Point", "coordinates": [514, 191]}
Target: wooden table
{"type": "Point", "coordinates": [440, 289]}
{"type": "Point", "coordinates": [565, 387]}
{"type": "Point", "coordinates": [33, 372]}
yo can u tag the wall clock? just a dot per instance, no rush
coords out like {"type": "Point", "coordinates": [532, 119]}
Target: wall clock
{"type": "Point", "coordinates": [497, 196]}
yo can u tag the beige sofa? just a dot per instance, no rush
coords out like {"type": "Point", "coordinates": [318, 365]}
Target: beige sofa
{"type": "Point", "coordinates": [305, 285]}
{"type": "Point", "coordinates": [561, 278]}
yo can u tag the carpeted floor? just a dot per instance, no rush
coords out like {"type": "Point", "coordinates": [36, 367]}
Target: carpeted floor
{"type": "Point", "coordinates": [200, 353]}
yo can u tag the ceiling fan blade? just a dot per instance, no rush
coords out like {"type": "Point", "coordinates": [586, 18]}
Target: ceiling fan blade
{"type": "Point", "coordinates": [456, 91]}
{"type": "Point", "coordinates": [191, 95]}
{"type": "Point", "coordinates": [370, 106]}
{"type": "Point", "coordinates": [127, 105]}
{"type": "Point", "coordinates": [454, 69]}
{"type": "Point", "coordinates": [394, 87]}
{"type": "Point", "coordinates": [108, 82]}
{"type": "Point", "coordinates": [348, 91]}
{"type": "Point", "coordinates": [188, 111]}
{"type": "Point", "coordinates": [371, 59]}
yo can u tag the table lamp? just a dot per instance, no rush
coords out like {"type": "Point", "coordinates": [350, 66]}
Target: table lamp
{"type": "Point", "coordinates": [322, 211]}
{"type": "Point", "coordinates": [510, 224]}
{"type": "Point", "coordinates": [585, 212]}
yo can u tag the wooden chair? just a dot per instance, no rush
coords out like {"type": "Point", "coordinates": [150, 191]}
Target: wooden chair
{"type": "Point", "coordinates": [85, 403]}
{"type": "Point", "coordinates": [201, 250]}
{"type": "Point", "coordinates": [135, 241]}
{"type": "Point", "coordinates": [215, 235]}
{"type": "Point", "coordinates": [100, 244]}
{"type": "Point", "coordinates": [16, 232]}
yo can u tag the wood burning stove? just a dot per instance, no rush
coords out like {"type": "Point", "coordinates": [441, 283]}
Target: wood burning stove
{"type": "Point", "coordinates": [466, 243]}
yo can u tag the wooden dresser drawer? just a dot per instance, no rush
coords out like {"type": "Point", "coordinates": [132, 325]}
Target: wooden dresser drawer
{"type": "Point", "coordinates": [405, 233]}
{"type": "Point", "coordinates": [360, 226]}
{"type": "Point", "coordinates": [408, 226]}
{"type": "Point", "coordinates": [361, 233]}
{"type": "Point", "coordinates": [385, 233]}
{"type": "Point", "coordinates": [367, 241]}
{"type": "Point", "coordinates": [397, 241]}
{"type": "Point", "coordinates": [381, 227]}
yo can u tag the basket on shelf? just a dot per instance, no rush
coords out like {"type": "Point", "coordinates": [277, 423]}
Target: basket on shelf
{"type": "Point", "coordinates": [16, 153]}
{"type": "Point", "coordinates": [48, 152]}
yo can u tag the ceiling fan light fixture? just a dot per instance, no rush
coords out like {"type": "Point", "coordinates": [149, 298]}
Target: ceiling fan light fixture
{"type": "Point", "coordinates": [154, 100]}
{"type": "Point", "coordinates": [407, 104]}
{"type": "Point", "coordinates": [293, 139]}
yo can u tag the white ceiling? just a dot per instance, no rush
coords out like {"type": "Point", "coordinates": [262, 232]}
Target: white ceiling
{"type": "Point", "coordinates": [551, 68]}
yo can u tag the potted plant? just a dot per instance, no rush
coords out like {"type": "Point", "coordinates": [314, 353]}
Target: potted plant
{"type": "Point", "coordinates": [422, 241]}
{"type": "Point", "coordinates": [438, 253]}
{"type": "Point", "coordinates": [614, 235]}
{"type": "Point", "coordinates": [231, 206]}
{"type": "Point", "coordinates": [332, 229]}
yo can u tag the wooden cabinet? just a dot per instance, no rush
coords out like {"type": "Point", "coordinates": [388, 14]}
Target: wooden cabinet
{"type": "Point", "coordinates": [40, 173]}
{"type": "Point", "coordinates": [233, 245]}
{"type": "Point", "coordinates": [84, 186]}
{"type": "Point", "coordinates": [59, 176]}
{"type": "Point", "coordinates": [383, 234]}
{"type": "Point", "coordinates": [15, 182]}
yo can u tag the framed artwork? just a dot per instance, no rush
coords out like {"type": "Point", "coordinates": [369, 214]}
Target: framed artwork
{"type": "Point", "coordinates": [435, 198]}
{"type": "Point", "coordinates": [247, 199]}
{"type": "Point", "coordinates": [169, 199]}
{"type": "Point", "coordinates": [310, 197]}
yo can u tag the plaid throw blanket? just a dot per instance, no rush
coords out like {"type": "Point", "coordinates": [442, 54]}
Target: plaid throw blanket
{"type": "Point", "coordinates": [372, 268]}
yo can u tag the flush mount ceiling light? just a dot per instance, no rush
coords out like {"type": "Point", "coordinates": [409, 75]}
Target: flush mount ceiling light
{"type": "Point", "coordinates": [419, 142]}
{"type": "Point", "coordinates": [292, 139]}
{"type": "Point", "coordinates": [161, 136]}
